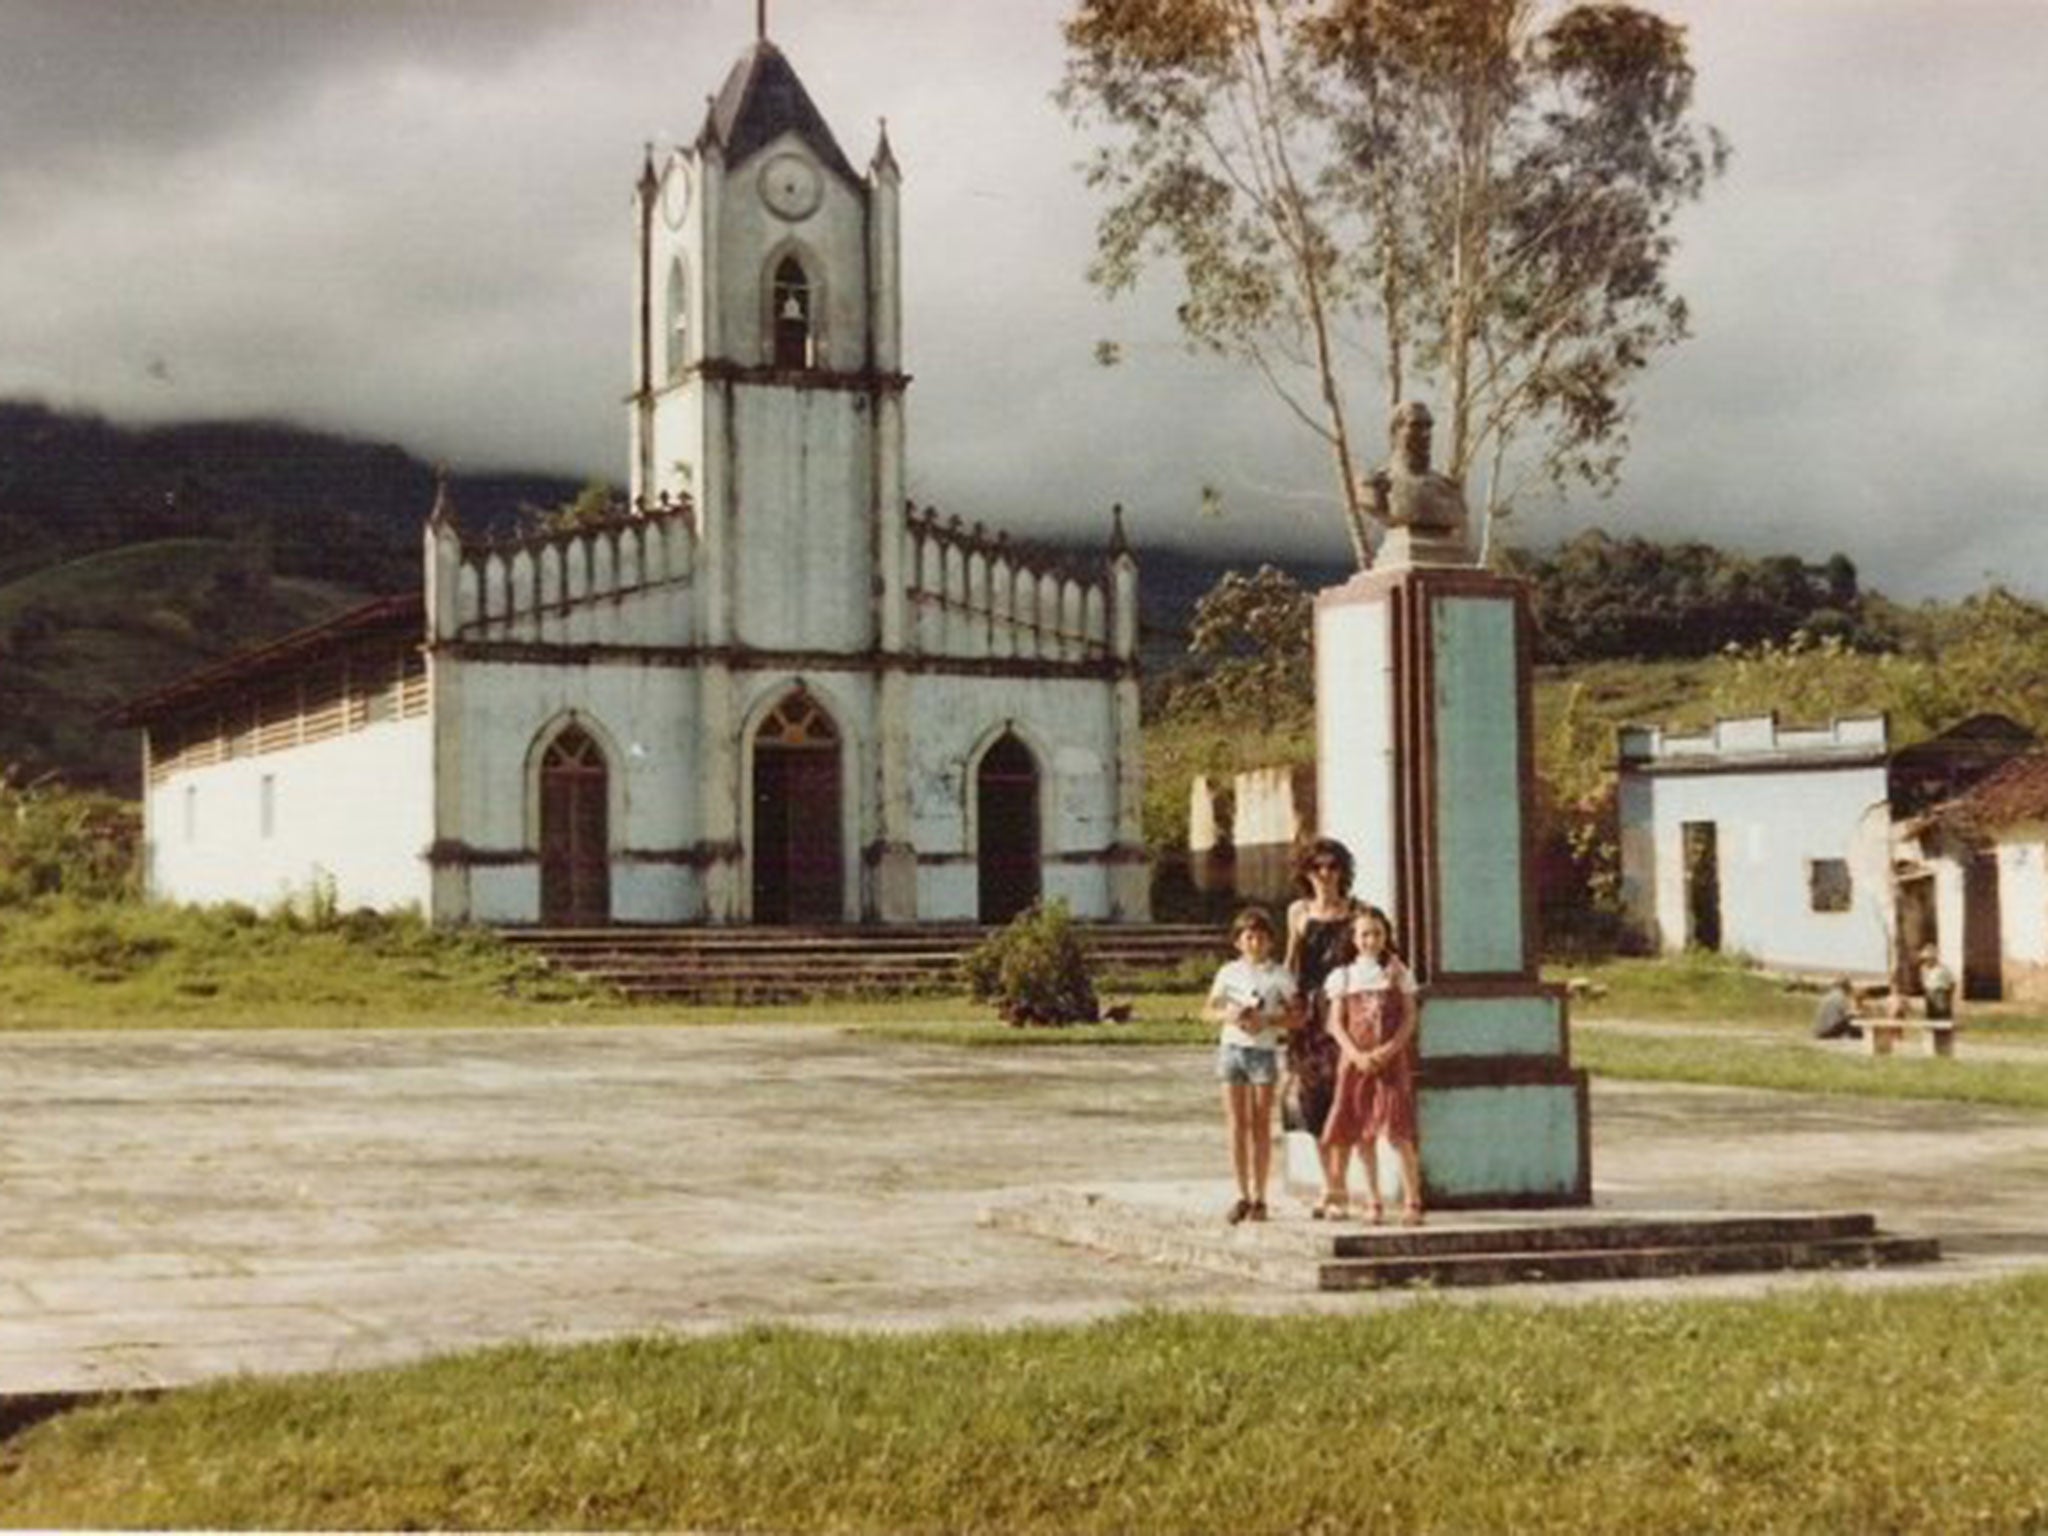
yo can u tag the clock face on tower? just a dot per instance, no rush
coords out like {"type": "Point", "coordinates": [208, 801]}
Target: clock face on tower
{"type": "Point", "coordinates": [791, 187]}
{"type": "Point", "coordinates": [675, 196]}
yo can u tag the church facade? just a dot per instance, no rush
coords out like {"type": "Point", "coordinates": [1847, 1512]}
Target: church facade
{"type": "Point", "coordinates": [772, 692]}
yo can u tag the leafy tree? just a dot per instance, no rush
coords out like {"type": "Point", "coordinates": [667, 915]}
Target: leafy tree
{"type": "Point", "coordinates": [1251, 642]}
{"type": "Point", "coordinates": [1478, 194]}
{"type": "Point", "coordinates": [595, 504]}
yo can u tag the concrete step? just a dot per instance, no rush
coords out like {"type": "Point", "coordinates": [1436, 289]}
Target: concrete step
{"type": "Point", "coordinates": [1182, 1226]}
{"type": "Point", "coordinates": [1565, 1235]}
{"type": "Point", "coordinates": [1629, 1263]}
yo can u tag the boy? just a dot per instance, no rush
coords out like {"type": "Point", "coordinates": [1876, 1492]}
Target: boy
{"type": "Point", "coordinates": [1254, 999]}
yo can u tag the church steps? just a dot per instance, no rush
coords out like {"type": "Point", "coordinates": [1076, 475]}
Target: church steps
{"type": "Point", "coordinates": [782, 963]}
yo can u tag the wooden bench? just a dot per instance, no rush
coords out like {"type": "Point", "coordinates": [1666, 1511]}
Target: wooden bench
{"type": "Point", "coordinates": [1938, 1036]}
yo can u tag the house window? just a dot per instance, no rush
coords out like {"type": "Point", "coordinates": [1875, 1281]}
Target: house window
{"type": "Point", "coordinates": [266, 805]}
{"type": "Point", "coordinates": [792, 296]}
{"type": "Point", "coordinates": [1827, 885]}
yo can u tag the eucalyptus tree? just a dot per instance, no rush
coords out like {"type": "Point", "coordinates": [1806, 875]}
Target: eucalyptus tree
{"type": "Point", "coordinates": [1366, 200]}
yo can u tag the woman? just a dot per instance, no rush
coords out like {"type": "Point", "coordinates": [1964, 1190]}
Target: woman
{"type": "Point", "coordinates": [1318, 940]}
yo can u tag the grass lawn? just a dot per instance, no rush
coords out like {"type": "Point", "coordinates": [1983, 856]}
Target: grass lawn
{"type": "Point", "coordinates": [1828, 1411]}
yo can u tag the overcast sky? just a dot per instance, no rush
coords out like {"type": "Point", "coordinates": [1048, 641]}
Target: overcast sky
{"type": "Point", "coordinates": [409, 219]}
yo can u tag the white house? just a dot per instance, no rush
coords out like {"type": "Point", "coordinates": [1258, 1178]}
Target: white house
{"type": "Point", "coordinates": [1986, 858]}
{"type": "Point", "coordinates": [772, 693]}
{"type": "Point", "coordinates": [1761, 839]}
{"type": "Point", "coordinates": [1814, 848]}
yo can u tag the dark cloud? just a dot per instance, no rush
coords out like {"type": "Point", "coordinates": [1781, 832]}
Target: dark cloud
{"type": "Point", "coordinates": [409, 220]}
{"type": "Point", "coordinates": [81, 81]}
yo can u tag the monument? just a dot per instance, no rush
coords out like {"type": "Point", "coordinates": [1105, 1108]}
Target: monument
{"type": "Point", "coordinates": [1423, 751]}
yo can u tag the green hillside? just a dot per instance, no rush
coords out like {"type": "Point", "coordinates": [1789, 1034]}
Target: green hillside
{"type": "Point", "coordinates": [79, 638]}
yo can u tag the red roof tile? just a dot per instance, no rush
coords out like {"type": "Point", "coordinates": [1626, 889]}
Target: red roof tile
{"type": "Point", "coordinates": [2014, 793]}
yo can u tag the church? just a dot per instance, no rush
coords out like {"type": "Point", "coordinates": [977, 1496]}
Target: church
{"type": "Point", "coordinates": [770, 692]}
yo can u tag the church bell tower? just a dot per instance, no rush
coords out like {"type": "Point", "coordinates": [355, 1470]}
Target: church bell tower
{"type": "Point", "coordinates": [768, 389]}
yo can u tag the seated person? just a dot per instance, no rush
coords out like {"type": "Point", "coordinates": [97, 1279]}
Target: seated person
{"type": "Point", "coordinates": [1937, 984]}
{"type": "Point", "coordinates": [1835, 1018]}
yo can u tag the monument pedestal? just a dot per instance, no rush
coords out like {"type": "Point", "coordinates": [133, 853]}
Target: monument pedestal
{"type": "Point", "coordinates": [1423, 752]}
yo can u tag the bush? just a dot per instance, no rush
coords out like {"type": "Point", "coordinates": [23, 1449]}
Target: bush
{"type": "Point", "coordinates": [1034, 971]}
{"type": "Point", "coordinates": [60, 842]}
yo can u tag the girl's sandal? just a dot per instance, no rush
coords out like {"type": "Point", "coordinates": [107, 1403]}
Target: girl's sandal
{"type": "Point", "coordinates": [1375, 1213]}
{"type": "Point", "coordinates": [1411, 1215]}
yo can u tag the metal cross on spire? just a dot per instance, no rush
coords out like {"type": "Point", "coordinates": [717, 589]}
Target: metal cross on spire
{"type": "Point", "coordinates": [761, 20]}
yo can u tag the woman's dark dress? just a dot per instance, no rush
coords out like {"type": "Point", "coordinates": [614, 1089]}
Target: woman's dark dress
{"type": "Point", "coordinates": [1311, 1053]}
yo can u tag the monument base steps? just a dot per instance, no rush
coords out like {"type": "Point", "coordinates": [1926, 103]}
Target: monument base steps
{"type": "Point", "coordinates": [1472, 1249]}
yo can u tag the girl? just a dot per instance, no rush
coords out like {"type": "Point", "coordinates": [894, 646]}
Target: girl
{"type": "Point", "coordinates": [1254, 1000]}
{"type": "Point", "coordinates": [1318, 932]}
{"type": "Point", "coordinates": [1372, 1019]}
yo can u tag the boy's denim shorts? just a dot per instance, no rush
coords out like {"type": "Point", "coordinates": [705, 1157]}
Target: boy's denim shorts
{"type": "Point", "coordinates": [1245, 1065]}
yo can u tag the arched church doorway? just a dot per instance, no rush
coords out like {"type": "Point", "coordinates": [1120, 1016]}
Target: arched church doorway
{"type": "Point", "coordinates": [798, 872]}
{"type": "Point", "coordinates": [1006, 852]}
{"type": "Point", "coordinates": [575, 834]}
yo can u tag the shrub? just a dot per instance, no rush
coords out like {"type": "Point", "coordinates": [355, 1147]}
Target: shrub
{"type": "Point", "coordinates": [1034, 971]}
{"type": "Point", "coordinates": [60, 842]}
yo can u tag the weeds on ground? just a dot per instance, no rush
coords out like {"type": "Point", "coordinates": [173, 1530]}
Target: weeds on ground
{"type": "Point", "coordinates": [129, 963]}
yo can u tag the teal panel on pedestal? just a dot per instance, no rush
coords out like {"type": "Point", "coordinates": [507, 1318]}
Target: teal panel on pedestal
{"type": "Point", "coordinates": [1530, 1025]}
{"type": "Point", "coordinates": [1478, 784]}
{"type": "Point", "coordinates": [1515, 1141]}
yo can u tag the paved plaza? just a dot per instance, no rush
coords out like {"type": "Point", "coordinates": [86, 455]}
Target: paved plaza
{"type": "Point", "coordinates": [181, 1205]}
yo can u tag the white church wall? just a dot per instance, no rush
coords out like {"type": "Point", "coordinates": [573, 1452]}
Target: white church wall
{"type": "Point", "coordinates": [353, 815]}
{"type": "Point", "coordinates": [831, 243]}
{"type": "Point", "coordinates": [643, 717]}
{"type": "Point", "coordinates": [1067, 723]}
{"type": "Point", "coordinates": [848, 698]}
{"type": "Point", "coordinates": [800, 512]}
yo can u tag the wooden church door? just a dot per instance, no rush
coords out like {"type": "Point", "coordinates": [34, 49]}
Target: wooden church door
{"type": "Point", "coordinates": [1006, 853]}
{"type": "Point", "coordinates": [798, 870]}
{"type": "Point", "coordinates": [575, 839]}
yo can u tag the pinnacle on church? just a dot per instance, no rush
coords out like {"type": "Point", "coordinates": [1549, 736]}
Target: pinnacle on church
{"type": "Point", "coordinates": [883, 162]}
{"type": "Point", "coordinates": [443, 513]}
{"type": "Point", "coordinates": [1119, 544]}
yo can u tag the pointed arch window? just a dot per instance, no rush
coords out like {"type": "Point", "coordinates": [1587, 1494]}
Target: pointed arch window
{"type": "Point", "coordinates": [792, 311]}
{"type": "Point", "coordinates": [676, 317]}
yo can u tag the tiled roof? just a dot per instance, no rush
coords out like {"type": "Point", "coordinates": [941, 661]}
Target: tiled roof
{"type": "Point", "coordinates": [2014, 793]}
{"type": "Point", "coordinates": [403, 615]}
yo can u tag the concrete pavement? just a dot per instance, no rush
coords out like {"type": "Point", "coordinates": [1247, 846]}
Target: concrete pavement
{"type": "Point", "coordinates": [181, 1205]}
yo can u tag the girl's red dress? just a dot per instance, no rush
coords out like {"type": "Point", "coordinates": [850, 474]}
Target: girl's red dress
{"type": "Point", "coordinates": [1382, 1104]}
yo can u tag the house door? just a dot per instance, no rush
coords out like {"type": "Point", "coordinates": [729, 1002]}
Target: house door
{"type": "Point", "coordinates": [575, 840]}
{"type": "Point", "coordinates": [1702, 853]}
{"type": "Point", "coordinates": [1006, 830]}
{"type": "Point", "coordinates": [1983, 967]}
{"type": "Point", "coordinates": [798, 867]}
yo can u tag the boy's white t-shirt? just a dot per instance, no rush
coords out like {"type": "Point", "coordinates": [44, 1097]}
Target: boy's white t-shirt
{"type": "Point", "coordinates": [1268, 988]}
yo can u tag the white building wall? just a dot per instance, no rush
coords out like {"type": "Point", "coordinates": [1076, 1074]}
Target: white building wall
{"type": "Point", "coordinates": [643, 716]}
{"type": "Point", "coordinates": [1770, 825]}
{"type": "Point", "coordinates": [831, 243]}
{"type": "Point", "coordinates": [801, 530]}
{"type": "Point", "coordinates": [1069, 725]}
{"type": "Point", "coordinates": [2023, 897]}
{"type": "Point", "coordinates": [356, 811]}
